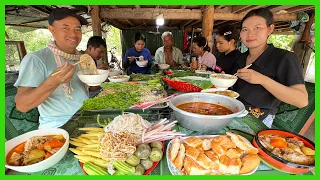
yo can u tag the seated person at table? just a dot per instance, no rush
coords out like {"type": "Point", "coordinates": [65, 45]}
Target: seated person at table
{"type": "Point", "coordinates": [226, 40]}
{"type": "Point", "coordinates": [206, 60]}
{"type": "Point", "coordinates": [96, 47]}
{"type": "Point", "coordinates": [167, 54]}
{"type": "Point", "coordinates": [275, 74]}
{"type": "Point", "coordinates": [132, 55]}
{"type": "Point", "coordinates": [60, 96]}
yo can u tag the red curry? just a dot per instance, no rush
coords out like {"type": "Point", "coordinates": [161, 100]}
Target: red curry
{"type": "Point", "coordinates": [204, 108]}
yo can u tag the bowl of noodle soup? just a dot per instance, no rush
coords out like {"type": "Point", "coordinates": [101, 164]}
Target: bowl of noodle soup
{"type": "Point", "coordinates": [93, 79]}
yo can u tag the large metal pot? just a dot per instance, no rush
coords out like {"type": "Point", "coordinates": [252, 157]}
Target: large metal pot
{"type": "Point", "coordinates": [206, 123]}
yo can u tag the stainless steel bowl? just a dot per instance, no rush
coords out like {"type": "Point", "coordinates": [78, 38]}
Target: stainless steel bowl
{"type": "Point", "coordinates": [206, 123]}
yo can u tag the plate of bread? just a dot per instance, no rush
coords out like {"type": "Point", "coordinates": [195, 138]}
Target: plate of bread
{"type": "Point", "coordinates": [229, 154]}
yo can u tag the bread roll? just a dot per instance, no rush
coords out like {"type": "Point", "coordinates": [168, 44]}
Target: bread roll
{"type": "Point", "coordinates": [234, 153]}
{"type": "Point", "coordinates": [249, 162]}
{"type": "Point", "coordinates": [174, 149]}
{"type": "Point", "coordinates": [206, 144]}
{"type": "Point", "coordinates": [243, 143]}
{"type": "Point", "coordinates": [192, 168]}
{"type": "Point", "coordinates": [193, 153]}
{"type": "Point", "coordinates": [204, 161]}
{"type": "Point", "coordinates": [193, 141]}
{"type": "Point", "coordinates": [178, 162]}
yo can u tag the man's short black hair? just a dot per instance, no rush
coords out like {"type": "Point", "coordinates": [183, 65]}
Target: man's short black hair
{"type": "Point", "coordinates": [96, 41]}
{"type": "Point", "coordinates": [61, 13]}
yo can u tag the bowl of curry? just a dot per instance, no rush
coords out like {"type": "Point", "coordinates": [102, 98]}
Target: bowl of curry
{"type": "Point", "coordinates": [205, 112]}
{"type": "Point", "coordinates": [36, 150]}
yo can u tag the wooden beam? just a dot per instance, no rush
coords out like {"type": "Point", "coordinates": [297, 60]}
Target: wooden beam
{"type": "Point", "coordinates": [116, 24]}
{"type": "Point", "coordinates": [283, 33]}
{"type": "Point", "coordinates": [7, 36]}
{"type": "Point", "coordinates": [38, 10]}
{"type": "Point", "coordinates": [152, 28]}
{"type": "Point", "coordinates": [36, 21]}
{"type": "Point", "coordinates": [299, 9]}
{"type": "Point", "coordinates": [282, 26]}
{"type": "Point", "coordinates": [96, 22]}
{"type": "Point", "coordinates": [182, 25]}
{"type": "Point", "coordinates": [275, 9]}
{"type": "Point", "coordinates": [236, 9]}
{"type": "Point", "coordinates": [178, 14]}
{"type": "Point", "coordinates": [36, 27]}
{"type": "Point", "coordinates": [171, 22]}
{"type": "Point", "coordinates": [251, 8]}
{"type": "Point", "coordinates": [130, 22]}
{"type": "Point", "coordinates": [306, 33]}
{"type": "Point", "coordinates": [150, 13]}
{"type": "Point", "coordinates": [192, 24]}
{"type": "Point", "coordinates": [207, 25]}
{"type": "Point", "coordinates": [223, 9]}
{"type": "Point", "coordinates": [238, 17]}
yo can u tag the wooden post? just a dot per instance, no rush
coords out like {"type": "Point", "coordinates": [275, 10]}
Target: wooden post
{"type": "Point", "coordinates": [96, 23]}
{"type": "Point", "coordinates": [96, 28]}
{"type": "Point", "coordinates": [207, 25]}
{"type": "Point", "coordinates": [302, 49]}
{"type": "Point", "coordinates": [306, 32]}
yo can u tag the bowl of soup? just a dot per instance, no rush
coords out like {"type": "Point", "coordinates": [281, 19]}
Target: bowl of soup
{"type": "Point", "coordinates": [223, 80]}
{"type": "Point", "coordinates": [205, 112]}
{"type": "Point", "coordinates": [36, 150]}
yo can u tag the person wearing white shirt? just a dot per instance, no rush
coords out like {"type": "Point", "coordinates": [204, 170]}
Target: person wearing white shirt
{"type": "Point", "coordinates": [167, 54]}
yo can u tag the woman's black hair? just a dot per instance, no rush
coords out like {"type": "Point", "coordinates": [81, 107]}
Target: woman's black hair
{"type": "Point", "coordinates": [138, 37]}
{"type": "Point", "coordinates": [229, 32]}
{"type": "Point", "coordinates": [202, 42]}
{"type": "Point", "coordinates": [262, 12]}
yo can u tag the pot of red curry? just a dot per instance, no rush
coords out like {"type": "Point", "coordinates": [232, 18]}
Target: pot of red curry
{"type": "Point", "coordinates": [205, 112]}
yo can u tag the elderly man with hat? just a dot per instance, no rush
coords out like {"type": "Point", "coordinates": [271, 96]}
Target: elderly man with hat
{"type": "Point", "coordinates": [167, 54]}
{"type": "Point", "coordinates": [60, 96]}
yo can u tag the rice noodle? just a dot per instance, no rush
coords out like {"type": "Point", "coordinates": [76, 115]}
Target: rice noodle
{"type": "Point", "coordinates": [132, 123]}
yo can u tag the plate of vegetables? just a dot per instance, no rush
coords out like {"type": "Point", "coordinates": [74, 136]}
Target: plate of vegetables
{"type": "Point", "coordinates": [144, 160]}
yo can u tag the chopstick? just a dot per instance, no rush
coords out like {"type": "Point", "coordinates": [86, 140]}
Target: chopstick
{"type": "Point", "coordinates": [235, 74]}
{"type": "Point", "coordinates": [61, 70]}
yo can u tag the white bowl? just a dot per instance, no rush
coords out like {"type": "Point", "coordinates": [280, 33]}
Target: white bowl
{"type": "Point", "coordinates": [164, 66]}
{"type": "Point", "coordinates": [94, 80]}
{"type": "Point", "coordinates": [115, 79]}
{"type": "Point", "coordinates": [114, 72]}
{"type": "Point", "coordinates": [45, 164]}
{"type": "Point", "coordinates": [142, 63]}
{"type": "Point", "coordinates": [226, 82]}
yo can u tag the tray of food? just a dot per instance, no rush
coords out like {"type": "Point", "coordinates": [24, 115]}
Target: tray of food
{"type": "Point", "coordinates": [127, 145]}
{"type": "Point", "coordinates": [285, 151]}
{"type": "Point", "coordinates": [122, 96]}
{"type": "Point", "coordinates": [229, 154]}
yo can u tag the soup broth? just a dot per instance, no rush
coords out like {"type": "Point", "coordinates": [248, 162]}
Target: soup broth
{"type": "Point", "coordinates": [36, 149]}
{"type": "Point", "coordinates": [204, 108]}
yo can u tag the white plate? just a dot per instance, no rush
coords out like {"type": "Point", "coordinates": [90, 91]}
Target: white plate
{"type": "Point", "coordinates": [219, 89]}
{"type": "Point", "coordinates": [175, 171]}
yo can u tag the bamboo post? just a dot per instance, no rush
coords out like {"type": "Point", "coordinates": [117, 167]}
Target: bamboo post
{"type": "Point", "coordinates": [207, 25]}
